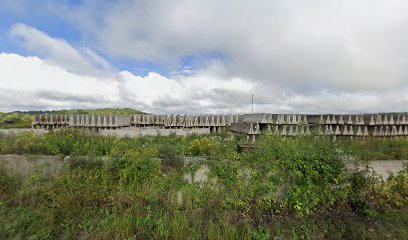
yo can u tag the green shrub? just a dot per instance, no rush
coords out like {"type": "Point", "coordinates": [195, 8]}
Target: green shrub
{"type": "Point", "coordinates": [9, 182]}
{"type": "Point", "coordinates": [15, 120]}
{"type": "Point", "coordinates": [171, 155]}
{"type": "Point", "coordinates": [304, 172]}
{"type": "Point", "coordinates": [2, 142]}
{"type": "Point", "coordinates": [114, 188]}
{"type": "Point", "coordinates": [378, 148]}
{"type": "Point", "coordinates": [201, 146]}
{"type": "Point", "coordinates": [139, 167]}
{"type": "Point", "coordinates": [394, 191]}
{"type": "Point", "coordinates": [85, 163]}
{"type": "Point", "coordinates": [77, 142]}
{"type": "Point", "coordinates": [25, 142]}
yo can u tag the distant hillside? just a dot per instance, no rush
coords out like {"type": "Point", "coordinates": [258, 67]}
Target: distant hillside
{"type": "Point", "coordinates": [19, 119]}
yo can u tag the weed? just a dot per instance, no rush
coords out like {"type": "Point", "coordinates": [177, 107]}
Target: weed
{"type": "Point", "coordinates": [127, 188]}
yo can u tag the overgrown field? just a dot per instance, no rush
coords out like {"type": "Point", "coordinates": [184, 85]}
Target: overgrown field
{"type": "Point", "coordinates": [134, 188]}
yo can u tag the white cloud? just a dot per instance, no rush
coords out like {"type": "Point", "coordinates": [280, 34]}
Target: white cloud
{"type": "Point", "coordinates": [318, 56]}
{"type": "Point", "coordinates": [59, 52]}
{"type": "Point", "coordinates": [340, 45]}
{"type": "Point", "coordinates": [31, 83]}
{"type": "Point", "coordinates": [31, 76]}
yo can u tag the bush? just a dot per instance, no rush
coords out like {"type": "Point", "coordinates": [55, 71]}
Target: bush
{"type": "Point", "coordinates": [9, 182]}
{"type": "Point", "coordinates": [25, 142]}
{"type": "Point", "coordinates": [201, 146]}
{"type": "Point", "coordinates": [2, 142]}
{"type": "Point", "coordinates": [394, 191]}
{"type": "Point", "coordinates": [15, 120]}
{"type": "Point", "coordinates": [378, 148]}
{"type": "Point", "coordinates": [119, 191]}
{"type": "Point", "coordinates": [171, 156]}
{"type": "Point", "coordinates": [77, 142]}
{"type": "Point", "coordinates": [138, 167]}
{"type": "Point", "coordinates": [303, 173]}
{"type": "Point", "coordinates": [362, 189]}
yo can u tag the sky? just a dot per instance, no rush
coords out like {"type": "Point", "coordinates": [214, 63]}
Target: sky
{"type": "Point", "coordinates": [190, 56]}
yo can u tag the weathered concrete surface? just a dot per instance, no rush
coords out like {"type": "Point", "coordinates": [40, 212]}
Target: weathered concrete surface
{"type": "Point", "coordinates": [380, 167]}
{"type": "Point", "coordinates": [199, 176]}
{"type": "Point", "coordinates": [16, 131]}
{"type": "Point", "coordinates": [27, 164]}
{"type": "Point", "coordinates": [383, 167]}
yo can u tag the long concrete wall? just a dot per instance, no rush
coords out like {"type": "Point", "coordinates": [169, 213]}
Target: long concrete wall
{"type": "Point", "coordinates": [349, 125]}
{"type": "Point", "coordinates": [355, 125]}
{"type": "Point", "coordinates": [53, 121]}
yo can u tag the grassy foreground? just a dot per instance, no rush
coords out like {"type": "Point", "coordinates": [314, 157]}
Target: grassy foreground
{"type": "Point", "coordinates": [134, 188]}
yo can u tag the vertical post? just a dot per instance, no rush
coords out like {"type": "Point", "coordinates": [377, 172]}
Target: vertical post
{"type": "Point", "coordinates": [252, 95]}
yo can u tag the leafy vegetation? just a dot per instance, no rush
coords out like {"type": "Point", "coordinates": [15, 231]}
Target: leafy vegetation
{"type": "Point", "coordinates": [379, 148]}
{"type": "Point", "coordinates": [15, 120]}
{"type": "Point", "coordinates": [136, 188]}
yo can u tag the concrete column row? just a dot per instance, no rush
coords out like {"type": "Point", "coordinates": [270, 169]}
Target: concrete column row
{"type": "Point", "coordinates": [184, 121]}
{"type": "Point", "coordinates": [365, 119]}
{"type": "Point", "coordinates": [51, 119]}
{"type": "Point", "coordinates": [99, 120]}
{"type": "Point", "coordinates": [80, 120]}
{"type": "Point", "coordinates": [329, 119]}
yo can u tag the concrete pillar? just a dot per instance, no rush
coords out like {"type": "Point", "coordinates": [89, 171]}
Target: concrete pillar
{"type": "Point", "coordinates": [110, 121]}
{"type": "Point", "coordinates": [345, 131]}
{"type": "Point", "coordinates": [403, 119]}
{"type": "Point", "coordinates": [351, 130]}
{"type": "Point", "coordinates": [359, 132]}
{"type": "Point", "coordinates": [350, 121]}
{"type": "Point", "coordinates": [284, 131]}
{"type": "Point", "coordinates": [400, 131]}
{"type": "Point", "coordinates": [391, 122]}
{"type": "Point", "coordinates": [341, 121]}
{"type": "Point", "coordinates": [291, 133]}
{"type": "Point", "coordinates": [328, 121]}
{"type": "Point", "coordinates": [361, 120]}
{"type": "Point", "coordinates": [365, 132]}
{"type": "Point", "coordinates": [115, 120]}
{"type": "Point", "coordinates": [381, 132]}
{"type": "Point", "coordinates": [337, 130]}
{"type": "Point", "coordinates": [387, 132]}
{"type": "Point", "coordinates": [394, 131]}
{"type": "Point", "coordinates": [308, 130]}
{"type": "Point", "coordinates": [385, 121]}
{"type": "Point", "coordinates": [334, 121]}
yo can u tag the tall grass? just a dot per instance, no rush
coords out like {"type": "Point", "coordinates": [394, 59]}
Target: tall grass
{"type": "Point", "coordinates": [130, 188]}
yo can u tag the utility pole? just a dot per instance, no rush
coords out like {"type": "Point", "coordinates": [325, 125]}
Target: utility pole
{"type": "Point", "coordinates": [252, 103]}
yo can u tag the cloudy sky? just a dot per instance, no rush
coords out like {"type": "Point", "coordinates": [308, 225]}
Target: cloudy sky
{"type": "Point", "coordinates": [190, 56]}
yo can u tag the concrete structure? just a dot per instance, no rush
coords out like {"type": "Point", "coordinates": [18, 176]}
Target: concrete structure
{"type": "Point", "coordinates": [335, 125]}
{"type": "Point", "coordinates": [91, 121]}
